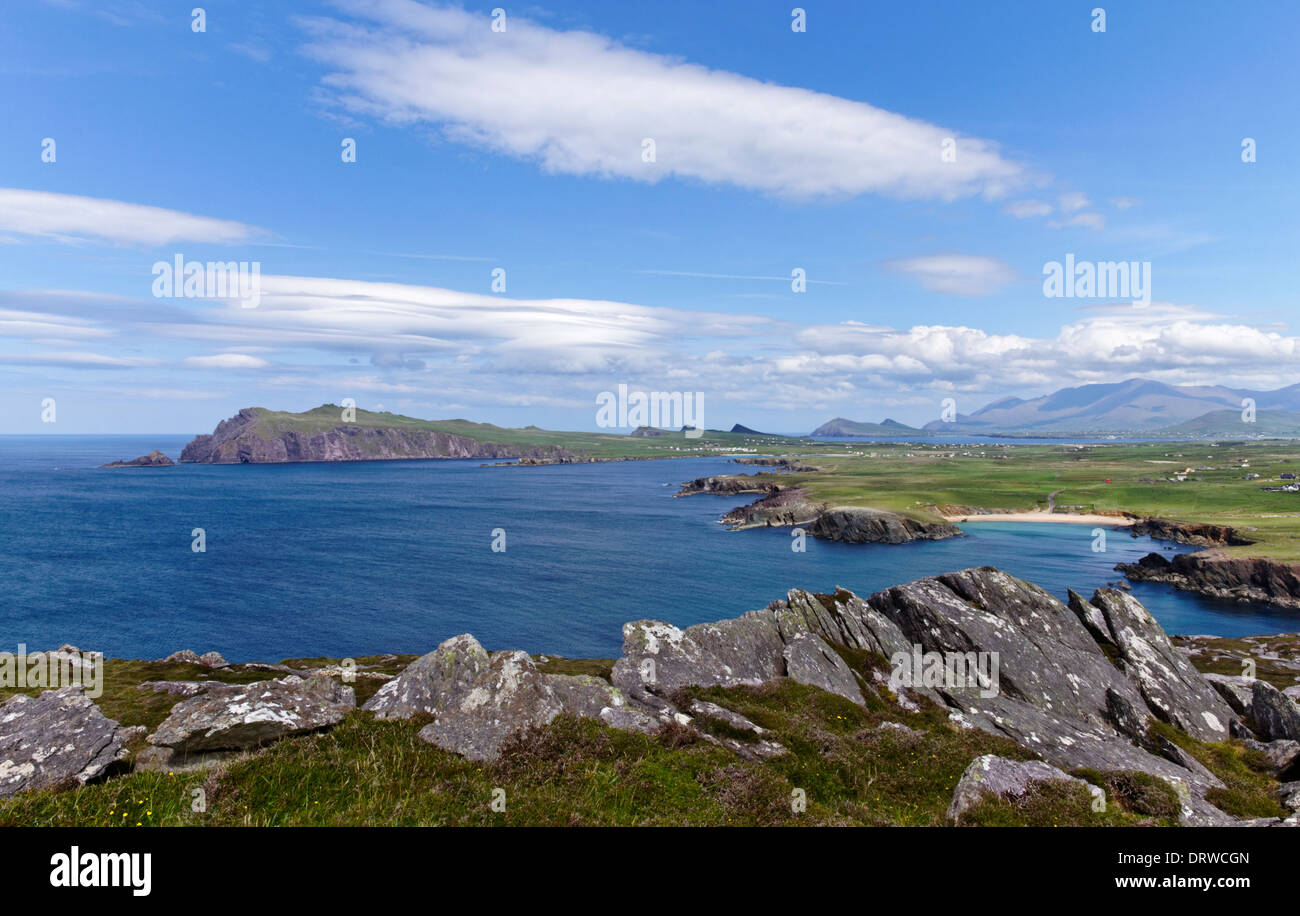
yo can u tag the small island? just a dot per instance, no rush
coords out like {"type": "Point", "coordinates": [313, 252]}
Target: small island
{"type": "Point", "coordinates": [154, 459]}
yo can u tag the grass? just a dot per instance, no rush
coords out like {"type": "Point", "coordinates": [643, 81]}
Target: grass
{"type": "Point", "coordinates": [1249, 791]}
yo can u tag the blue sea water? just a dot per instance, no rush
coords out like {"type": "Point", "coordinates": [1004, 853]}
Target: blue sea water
{"type": "Point", "coordinates": [360, 558]}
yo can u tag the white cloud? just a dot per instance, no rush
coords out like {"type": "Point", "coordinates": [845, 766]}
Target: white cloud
{"type": "Point", "coordinates": [957, 274]}
{"type": "Point", "coordinates": [1023, 209]}
{"type": "Point", "coordinates": [1072, 201]}
{"type": "Point", "coordinates": [312, 337]}
{"type": "Point", "coordinates": [1089, 220]}
{"type": "Point", "coordinates": [225, 361]}
{"type": "Point", "coordinates": [581, 103]}
{"type": "Point", "coordinates": [66, 216]}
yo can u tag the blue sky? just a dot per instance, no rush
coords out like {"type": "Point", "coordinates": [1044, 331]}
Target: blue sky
{"type": "Point", "coordinates": [522, 150]}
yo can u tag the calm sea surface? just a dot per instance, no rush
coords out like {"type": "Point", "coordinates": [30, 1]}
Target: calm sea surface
{"type": "Point", "coordinates": [354, 559]}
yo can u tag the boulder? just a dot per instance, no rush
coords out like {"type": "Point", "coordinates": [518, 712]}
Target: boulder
{"type": "Point", "coordinates": [236, 716]}
{"type": "Point", "coordinates": [207, 659]}
{"type": "Point", "coordinates": [57, 738]}
{"type": "Point", "coordinates": [1282, 755]}
{"type": "Point", "coordinates": [993, 776]}
{"type": "Point", "coordinates": [478, 699]}
{"type": "Point", "coordinates": [432, 681]}
{"type": "Point", "coordinates": [511, 696]}
{"type": "Point", "coordinates": [659, 657]}
{"type": "Point", "coordinates": [1276, 715]}
{"type": "Point", "coordinates": [1235, 690]}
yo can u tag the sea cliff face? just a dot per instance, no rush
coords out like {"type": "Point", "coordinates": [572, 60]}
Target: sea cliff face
{"type": "Point", "coordinates": [1188, 533]}
{"type": "Point", "coordinates": [241, 440]}
{"type": "Point", "coordinates": [1231, 578]}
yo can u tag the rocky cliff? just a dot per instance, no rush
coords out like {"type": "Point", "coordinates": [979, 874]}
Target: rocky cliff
{"type": "Point", "coordinates": [244, 439]}
{"type": "Point", "coordinates": [1197, 535]}
{"type": "Point", "coordinates": [1231, 578]}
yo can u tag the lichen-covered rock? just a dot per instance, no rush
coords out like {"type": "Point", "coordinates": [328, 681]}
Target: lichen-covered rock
{"type": "Point", "coordinates": [991, 776]}
{"type": "Point", "coordinates": [1276, 715]}
{"type": "Point", "coordinates": [207, 659]}
{"type": "Point", "coordinates": [1173, 689]}
{"type": "Point", "coordinates": [54, 739]}
{"type": "Point", "coordinates": [745, 650]}
{"type": "Point", "coordinates": [432, 681]}
{"type": "Point", "coordinates": [511, 696]}
{"type": "Point", "coordinates": [231, 716]}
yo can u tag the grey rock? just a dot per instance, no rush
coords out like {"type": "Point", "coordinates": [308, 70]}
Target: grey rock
{"type": "Point", "coordinates": [993, 776]}
{"type": "Point", "coordinates": [433, 681]}
{"type": "Point", "coordinates": [1173, 689]}
{"type": "Point", "coordinates": [1235, 690]}
{"type": "Point", "coordinates": [207, 659]}
{"type": "Point", "coordinates": [760, 748]}
{"type": "Point", "coordinates": [1282, 755]}
{"type": "Point", "coordinates": [1276, 715]}
{"type": "Point", "coordinates": [809, 660]}
{"type": "Point", "coordinates": [233, 716]}
{"type": "Point", "coordinates": [54, 739]}
{"type": "Point", "coordinates": [479, 700]}
{"type": "Point", "coordinates": [180, 688]}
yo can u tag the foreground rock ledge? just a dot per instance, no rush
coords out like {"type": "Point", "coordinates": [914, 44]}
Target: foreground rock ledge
{"type": "Point", "coordinates": [1058, 693]}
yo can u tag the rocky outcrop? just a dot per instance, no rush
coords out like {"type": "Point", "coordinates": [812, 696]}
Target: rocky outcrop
{"type": "Point", "coordinates": [857, 525]}
{"type": "Point", "coordinates": [1230, 578]}
{"type": "Point", "coordinates": [190, 657]}
{"type": "Point", "coordinates": [56, 739]}
{"type": "Point", "coordinates": [1172, 688]}
{"type": "Point", "coordinates": [1197, 535]}
{"type": "Point", "coordinates": [1275, 714]}
{"type": "Point", "coordinates": [761, 646]}
{"type": "Point", "coordinates": [237, 716]}
{"type": "Point", "coordinates": [789, 507]}
{"type": "Point", "coordinates": [478, 700]}
{"type": "Point", "coordinates": [245, 439]}
{"type": "Point", "coordinates": [154, 459]}
{"type": "Point", "coordinates": [726, 485]}
{"type": "Point", "coordinates": [781, 508]}
{"type": "Point", "coordinates": [991, 776]}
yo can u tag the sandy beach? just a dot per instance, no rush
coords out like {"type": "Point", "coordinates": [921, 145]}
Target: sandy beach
{"type": "Point", "coordinates": [1066, 517]}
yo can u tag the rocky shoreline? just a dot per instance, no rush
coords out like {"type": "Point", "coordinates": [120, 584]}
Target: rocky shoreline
{"type": "Point", "coordinates": [1091, 689]}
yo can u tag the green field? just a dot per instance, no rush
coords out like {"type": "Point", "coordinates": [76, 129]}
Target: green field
{"type": "Point", "coordinates": [922, 480]}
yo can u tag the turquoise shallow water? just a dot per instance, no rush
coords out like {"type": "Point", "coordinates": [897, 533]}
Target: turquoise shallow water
{"type": "Point", "coordinates": [354, 559]}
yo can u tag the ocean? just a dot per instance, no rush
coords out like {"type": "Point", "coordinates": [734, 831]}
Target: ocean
{"type": "Point", "coordinates": [361, 558]}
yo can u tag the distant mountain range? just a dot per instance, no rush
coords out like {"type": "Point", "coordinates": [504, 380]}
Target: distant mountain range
{"type": "Point", "coordinates": [1133, 407]}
